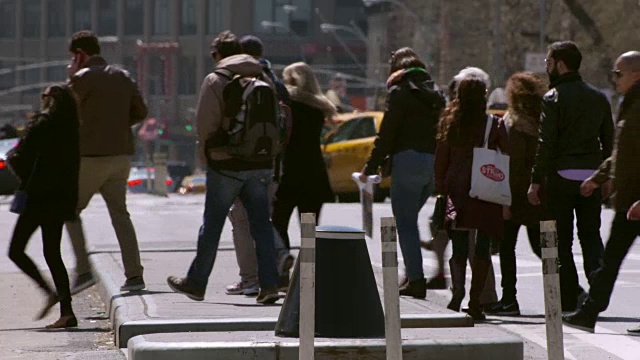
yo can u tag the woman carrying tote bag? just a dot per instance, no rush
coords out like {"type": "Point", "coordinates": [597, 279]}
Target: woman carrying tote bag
{"type": "Point", "coordinates": [462, 128]}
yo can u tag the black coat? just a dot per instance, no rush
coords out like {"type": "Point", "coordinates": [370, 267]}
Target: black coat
{"type": "Point", "coordinates": [410, 119]}
{"type": "Point", "coordinates": [304, 175]}
{"type": "Point", "coordinates": [47, 163]}
{"type": "Point", "coordinates": [576, 130]}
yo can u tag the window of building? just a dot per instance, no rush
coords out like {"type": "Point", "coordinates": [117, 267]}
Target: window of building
{"type": "Point", "coordinates": [156, 75]}
{"type": "Point", "coordinates": [134, 17]}
{"type": "Point", "coordinates": [81, 15]}
{"type": "Point", "coordinates": [7, 19]}
{"type": "Point", "coordinates": [188, 17]}
{"type": "Point", "coordinates": [215, 16]}
{"type": "Point", "coordinates": [56, 18]}
{"type": "Point", "coordinates": [107, 14]}
{"type": "Point", "coordinates": [57, 73]}
{"type": "Point", "coordinates": [31, 77]}
{"type": "Point", "coordinates": [31, 19]}
{"type": "Point", "coordinates": [161, 10]}
{"type": "Point", "coordinates": [7, 81]}
{"type": "Point", "coordinates": [186, 75]}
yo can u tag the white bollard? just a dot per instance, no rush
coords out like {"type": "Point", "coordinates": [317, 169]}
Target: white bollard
{"type": "Point", "coordinates": [390, 287]}
{"type": "Point", "coordinates": [551, 283]}
{"type": "Point", "coordinates": [307, 286]}
{"type": "Point", "coordinates": [160, 174]}
{"type": "Point", "coordinates": [366, 200]}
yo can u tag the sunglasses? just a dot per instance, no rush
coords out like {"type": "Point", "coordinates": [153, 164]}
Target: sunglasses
{"type": "Point", "coordinates": [617, 74]}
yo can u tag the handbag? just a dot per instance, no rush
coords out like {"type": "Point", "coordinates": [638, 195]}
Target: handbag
{"type": "Point", "coordinates": [439, 212]}
{"type": "Point", "coordinates": [20, 197]}
{"type": "Point", "coordinates": [490, 173]}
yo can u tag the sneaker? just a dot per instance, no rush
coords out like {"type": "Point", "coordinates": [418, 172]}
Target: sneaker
{"type": "Point", "coordinates": [180, 286]}
{"type": "Point", "coordinates": [503, 309]}
{"type": "Point", "coordinates": [283, 283]}
{"type": "Point", "coordinates": [582, 320]}
{"type": "Point", "coordinates": [476, 314]}
{"type": "Point", "coordinates": [634, 331]}
{"type": "Point", "coordinates": [135, 283]}
{"type": "Point", "coordinates": [415, 288]}
{"type": "Point", "coordinates": [437, 283]}
{"type": "Point", "coordinates": [268, 296]}
{"type": "Point", "coordinates": [242, 288]}
{"type": "Point", "coordinates": [285, 263]}
{"type": "Point", "coordinates": [82, 282]}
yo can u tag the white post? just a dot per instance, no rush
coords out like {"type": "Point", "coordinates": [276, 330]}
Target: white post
{"type": "Point", "coordinates": [160, 174]}
{"type": "Point", "coordinates": [307, 286]}
{"type": "Point", "coordinates": [551, 283]}
{"type": "Point", "coordinates": [366, 200]}
{"type": "Point", "coordinates": [390, 287]}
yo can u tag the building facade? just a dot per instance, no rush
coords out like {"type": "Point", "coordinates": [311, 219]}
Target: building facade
{"type": "Point", "coordinates": [164, 44]}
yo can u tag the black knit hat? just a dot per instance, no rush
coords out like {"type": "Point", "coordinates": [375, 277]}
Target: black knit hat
{"type": "Point", "coordinates": [252, 45]}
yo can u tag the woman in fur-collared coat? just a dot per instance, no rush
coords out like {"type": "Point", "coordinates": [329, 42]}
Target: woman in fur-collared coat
{"type": "Point", "coordinates": [524, 97]}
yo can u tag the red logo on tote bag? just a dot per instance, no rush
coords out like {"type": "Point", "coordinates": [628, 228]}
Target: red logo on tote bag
{"type": "Point", "coordinates": [492, 172]}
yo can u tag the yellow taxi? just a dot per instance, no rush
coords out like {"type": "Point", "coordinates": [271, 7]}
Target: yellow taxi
{"type": "Point", "coordinates": [346, 149]}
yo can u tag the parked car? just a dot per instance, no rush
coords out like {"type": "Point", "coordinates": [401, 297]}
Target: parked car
{"type": "Point", "coordinates": [193, 184]}
{"type": "Point", "coordinates": [8, 181]}
{"type": "Point", "coordinates": [346, 149]}
{"type": "Point", "coordinates": [178, 170]}
{"type": "Point", "coordinates": [137, 181]}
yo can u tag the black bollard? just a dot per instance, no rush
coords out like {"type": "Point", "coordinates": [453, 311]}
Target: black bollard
{"type": "Point", "coordinates": [347, 300]}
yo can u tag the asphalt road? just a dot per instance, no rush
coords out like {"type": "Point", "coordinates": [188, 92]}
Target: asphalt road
{"type": "Point", "coordinates": [173, 223]}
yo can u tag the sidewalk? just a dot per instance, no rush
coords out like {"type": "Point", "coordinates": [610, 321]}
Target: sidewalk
{"type": "Point", "coordinates": [160, 310]}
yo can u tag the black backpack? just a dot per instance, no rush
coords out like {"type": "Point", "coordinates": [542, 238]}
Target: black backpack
{"type": "Point", "coordinates": [255, 128]}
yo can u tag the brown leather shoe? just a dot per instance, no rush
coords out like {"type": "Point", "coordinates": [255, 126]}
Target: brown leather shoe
{"type": "Point", "coordinates": [64, 322]}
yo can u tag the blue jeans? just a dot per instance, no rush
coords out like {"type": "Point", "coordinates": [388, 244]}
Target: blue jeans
{"type": "Point", "coordinates": [223, 188]}
{"type": "Point", "coordinates": [412, 183]}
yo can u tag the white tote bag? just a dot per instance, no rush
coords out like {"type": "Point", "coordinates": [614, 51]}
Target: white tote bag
{"type": "Point", "coordinates": [490, 173]}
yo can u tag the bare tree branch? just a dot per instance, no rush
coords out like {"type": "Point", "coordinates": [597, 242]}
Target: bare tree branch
{"type": "Point", "coordinates": [585, 20]}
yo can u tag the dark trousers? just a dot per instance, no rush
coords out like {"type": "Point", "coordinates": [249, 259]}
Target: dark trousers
{"type": "Point", "coordinates": [27, 224]}
{"type": "Point", "coordinates": [564, 201]}
{"type": "Point", "coordinates": [508, 255]}
{"type": "Point", "coordinates": [460, 245]}
{"type": "Point", "coordinates": [283, 209]}
{"type": "Point", "coordinates": [623, 234]}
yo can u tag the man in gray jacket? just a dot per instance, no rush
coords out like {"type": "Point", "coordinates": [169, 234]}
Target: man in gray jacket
{"type": "Point", "coordinates": [109, 103]}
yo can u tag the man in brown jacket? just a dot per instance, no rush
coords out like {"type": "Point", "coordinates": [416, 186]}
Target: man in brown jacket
{"type": "Point", "coordinates": [109, 103]}
{"type": "Point", "coordinates": [623, 169]}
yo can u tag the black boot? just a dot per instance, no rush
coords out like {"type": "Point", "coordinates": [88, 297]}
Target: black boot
{"type": "Point", "coordinates": [458, 268]}
{"type": "Point", "coordinates": [583, 319]}
{"type": "Point", "coordinates": [478, 278]}
{"type": "Point", "coordinates": [415, 288]}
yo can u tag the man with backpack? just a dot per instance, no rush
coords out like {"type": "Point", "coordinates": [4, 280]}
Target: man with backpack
{"type": "Point", "coordinates": [242, 240]}
{"type": "Point", "coordinates": [239, 133]}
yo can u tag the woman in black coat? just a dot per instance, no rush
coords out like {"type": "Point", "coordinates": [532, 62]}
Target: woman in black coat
{"type": "Point", "coordinates": [305, 182]}
{"type": "Point", "coordinates": [47, 162]}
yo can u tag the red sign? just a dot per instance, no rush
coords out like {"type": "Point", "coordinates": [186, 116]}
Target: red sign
{"type": "Point", "coordinates": [492, 172]}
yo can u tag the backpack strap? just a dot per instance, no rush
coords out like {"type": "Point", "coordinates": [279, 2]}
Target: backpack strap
{"type": "Point", "coordinates": [225, 73]}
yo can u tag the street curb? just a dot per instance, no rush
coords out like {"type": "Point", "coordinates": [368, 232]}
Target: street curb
{"type": "Point", "coordinates": [505, 347]}
{"type": "Point", "coordinates": [120, 305]}
{"type": "Point", "coordinates": [135, 328]}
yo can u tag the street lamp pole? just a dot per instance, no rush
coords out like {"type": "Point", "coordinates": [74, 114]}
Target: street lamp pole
{"type": "Point", "coordinates": [273, 25]}
{"type": "Point", "coordinates": [331, 29]}
{"type": "Point", "coordinates": [541, 40]}
{"type": "Point", "coordinates": [326, 27]}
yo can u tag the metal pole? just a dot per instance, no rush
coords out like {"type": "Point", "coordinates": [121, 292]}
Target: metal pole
{"type": "Point", "coordinates": [307, 286]}
{"type": "Point", "coordinates": [393, 332]}
{"type": "Point", "coordinates": [541, 26]}
{"type": "Point", "coordinates": [551, 283]}
{"type": "Point", "coordinates": [344, 46]}
{"type": "Point", "coordinates": [497, 55]}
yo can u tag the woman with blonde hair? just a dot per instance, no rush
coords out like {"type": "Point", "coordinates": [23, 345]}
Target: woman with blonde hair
{"type": "Point", "coordinates": [304, 183]}
{"type": "Point", "coordinates": [524, 99]}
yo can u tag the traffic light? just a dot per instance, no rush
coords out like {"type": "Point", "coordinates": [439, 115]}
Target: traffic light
{"type": "Point", "coordinates": [188, 127]}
